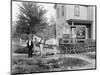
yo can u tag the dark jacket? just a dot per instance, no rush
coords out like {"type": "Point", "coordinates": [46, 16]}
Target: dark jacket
{"type": "Point", "coordinates": [29, 46]}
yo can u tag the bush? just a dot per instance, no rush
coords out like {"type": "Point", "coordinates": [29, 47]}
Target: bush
{"type": "Point", "coordinates": [16, 46]}
{"type": "Point", "coordinates": [91, 56]}
{"type": "Point", "coordinates": [86, 47]}
{"type": "Point", "coordinates": [22, 50]}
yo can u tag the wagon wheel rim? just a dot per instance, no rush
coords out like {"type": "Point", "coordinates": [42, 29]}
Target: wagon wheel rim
{"type": "Point", "coordinates": [65, 48]}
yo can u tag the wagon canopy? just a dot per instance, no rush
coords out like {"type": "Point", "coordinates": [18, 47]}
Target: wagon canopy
{"type": "Point", "coordinates": [52, 41]}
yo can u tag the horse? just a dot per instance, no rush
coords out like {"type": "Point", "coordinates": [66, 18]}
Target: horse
{"type": "Point", "coordinates": [38, 43]}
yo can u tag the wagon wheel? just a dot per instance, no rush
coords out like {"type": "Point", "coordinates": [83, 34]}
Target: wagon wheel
{"type": "Point", "coordinates": [63, 49]}
{"type": "Point", "coordinates": [71, 49]}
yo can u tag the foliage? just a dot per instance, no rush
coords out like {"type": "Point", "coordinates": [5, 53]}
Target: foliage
{"type": "Point", "coordinates": [21, 50]}
{"type": "Point", "coordinates": [91, 56]}
{"type": "Point", "coordinates": [48, 32]}
{"type": "Point", "coordinates": [31, 18]}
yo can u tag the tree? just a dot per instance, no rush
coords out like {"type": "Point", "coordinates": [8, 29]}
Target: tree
{"type": "Point", "coordinates": [31, 18]}
{"type": "Point", "coordinates": [48, 32]}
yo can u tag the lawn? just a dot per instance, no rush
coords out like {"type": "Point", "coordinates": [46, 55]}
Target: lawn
{"type": "Point", "coordinates": [23, 64]}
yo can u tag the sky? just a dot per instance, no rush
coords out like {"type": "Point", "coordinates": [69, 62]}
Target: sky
{"type": "Point", "coordinates": [49, 7]}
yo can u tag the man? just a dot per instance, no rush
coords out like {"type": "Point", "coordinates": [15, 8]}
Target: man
{"type": "Point", "coordinates": [30, 47]}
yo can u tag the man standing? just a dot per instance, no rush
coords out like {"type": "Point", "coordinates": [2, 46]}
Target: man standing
{"type": "Point", "coordinates": [30, 47]}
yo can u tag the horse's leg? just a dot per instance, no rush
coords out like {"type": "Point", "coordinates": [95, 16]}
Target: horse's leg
{"type": "Point", "coordinates": [41, 49]}
{"type": "Point", "coordinates": [55, 51]}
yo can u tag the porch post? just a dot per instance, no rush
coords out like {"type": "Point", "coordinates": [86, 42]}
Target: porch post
{"type": "Point", "coordinates": [73, 40]}
{"type": "Point", "coordinates": [72, 23]}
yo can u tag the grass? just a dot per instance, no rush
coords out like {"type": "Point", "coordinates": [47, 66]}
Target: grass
{"type": "Point", "coordinates": [22, 64]}
{"type": "Point", "coordinates": [74, 62]}
{"type": "Point", "coordinates": [25, 65]}
{"type": "Point", "coordinates": [91, 56]}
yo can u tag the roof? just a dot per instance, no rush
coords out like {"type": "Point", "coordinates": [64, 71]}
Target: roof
{"type": "Point", "coordinates": [55, 5]}
{"type": "Point", "coordinates": [79, 21]}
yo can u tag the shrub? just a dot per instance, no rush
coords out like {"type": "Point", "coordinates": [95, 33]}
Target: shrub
{"type": "Point", "coordinates": [21, 50]}
{"type": "Point", "coordinates": [91, 56]}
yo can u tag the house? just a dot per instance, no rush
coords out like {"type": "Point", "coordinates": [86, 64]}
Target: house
{"type": "Point", "coordinates": [75, 22]}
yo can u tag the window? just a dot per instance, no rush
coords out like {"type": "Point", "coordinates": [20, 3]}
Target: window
{"type": "Point", "coordinates": [62, 10]}
{"type": "Point", "coordinates": [57, 12]}
{"type": "Point", "coordinates": [76, 10]}
{"type": "Point", "coordinates": [81, 33]}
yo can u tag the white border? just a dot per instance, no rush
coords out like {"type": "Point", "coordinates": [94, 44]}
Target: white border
{"type": "Point", "coordinates": [5, 37]}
